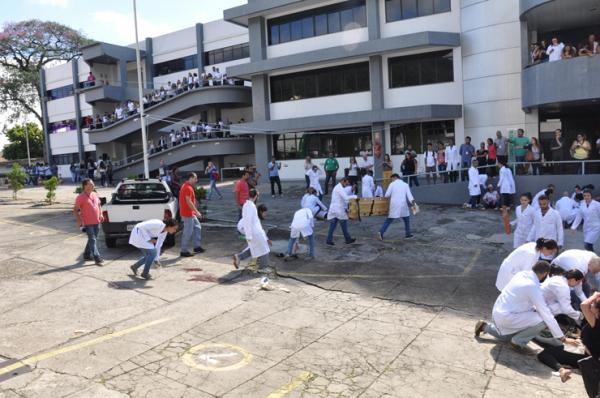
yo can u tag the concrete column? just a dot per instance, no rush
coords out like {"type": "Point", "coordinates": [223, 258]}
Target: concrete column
{"type": "Point", "coordinates": [47, 148]}
{"type": "Point", "coordinates": [373, 19]}
{"type": "Point", "coordinates": [378, 134]}
{"type": "Point", "coordinates": [149, 64]}
{"type": "Point", "coordinates": [75, 72]}
{"type": "Point", "coordinates": [263, 147]}
{"type": "Point", "coordinates": [122, 78]}
{"type": "Point", "coordinates": [200, 47]}
{"type": "Point", "coordinates": [263, 150]}
{"type": "Point", "coordinates": [257, 33]}
{"type": "Point", "coordinates": [379, 148]}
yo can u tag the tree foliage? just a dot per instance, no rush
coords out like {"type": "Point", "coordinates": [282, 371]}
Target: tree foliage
{"type": "Point", "coordinates": [50, 185]}
{"type": "Point", "coordinates": [25, 47]}
{"type": "Point", "coordinates": [17, 149]}
{"type": "Point", "coordinates": [17, 178]}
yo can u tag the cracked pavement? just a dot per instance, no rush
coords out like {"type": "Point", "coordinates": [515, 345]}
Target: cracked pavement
{"type": "Point", "coordinates": [377, 319]}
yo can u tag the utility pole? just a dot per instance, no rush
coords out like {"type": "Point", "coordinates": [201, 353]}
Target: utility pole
{"type": "Point", "coordinates": [141, 95]}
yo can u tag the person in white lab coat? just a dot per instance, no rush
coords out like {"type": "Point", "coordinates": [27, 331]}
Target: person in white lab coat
{"type": "Point", "coordinates": [582, 260]}
{"type": "Point", "coordinates": [524, 258]}
{"type": "Point", "coordinates": [567, 208]}
{"type": "Point", "coordinates": [255, 235]}
{"type": "Point", "coordinates": [312, 202]}
{"type": "Point", "coordinates": [367, 184]}
{"type": "Point", "coordinates": [400, 197]}
{"type": "Point", "coordinates": [314, 175]}
{"type": "Point", "coordinates": [148, 236]}
{"type": "Point", "coordinates": [338, 211]}
{"type": "Point", "coordinates": [244, 254]}
{"type": "Point", "coordinates": [557, 292]}
{"type": "Point", "coordinates": [452, 160]}
{"type": "Point", "coordinates": [302, 225]}
{"type": "Point", "coordinates": [546, 223]}
{"type": "Point", "coordinates": [548, 192]}
{"type": "Point", "coordinates": [520, 312]}
{"type": "Point", "coordinates": [474, 187]}
{"type": "Point", "coordinates": [506, 184]}
{"type": "Point", "coordinates": [524, 220]}
{"type": "Point", "coordinates": [589, 213]}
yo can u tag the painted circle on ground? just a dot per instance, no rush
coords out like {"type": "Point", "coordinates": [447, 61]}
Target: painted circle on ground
{"type": "Point", "coordinates": [216, 357]}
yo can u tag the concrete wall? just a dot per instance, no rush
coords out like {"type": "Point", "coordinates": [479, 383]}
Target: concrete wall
{"type": "Point", "coordinates": [321, 105]}
{"type": "Point", "coordinates": [174, 45]}
{"type": "Point", "coordinates": [61, 109]}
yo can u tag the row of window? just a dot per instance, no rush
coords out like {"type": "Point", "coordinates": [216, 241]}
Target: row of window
{"type": "Point", "coordinates": [69, 158]}
{"type": "Point", "coordinates": [321, 82]}
{"type": "Point", "coordinates": [396, 10]}
{"type": "Point", "coordinates": [227, 54]}
{"type": "Point", "coordinates": [420, 69]}
{"type": "Point", "coordinates": [176, 65]}
{"type": "Point", "coordinates": [59, 92]}
{"type": "Point", "coordinates": [319, 21]}
{"type": "Point", "coordinates": [417, 135]}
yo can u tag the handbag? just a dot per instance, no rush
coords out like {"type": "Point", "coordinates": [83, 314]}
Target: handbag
{"type": "Point", "coordinates": [590, 372]}
{"type": "Point", "coordinates": [529, 156]}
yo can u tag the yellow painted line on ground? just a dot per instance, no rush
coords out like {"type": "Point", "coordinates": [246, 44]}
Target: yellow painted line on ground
{"type": "Point", "coordinates": [50, 354]}
{"type": "Point", "coordinates": [358, 276]}
{"type": "Point", "coordinates": [472, 262]}
{"type": "Point", "coordinates": [296, 381]}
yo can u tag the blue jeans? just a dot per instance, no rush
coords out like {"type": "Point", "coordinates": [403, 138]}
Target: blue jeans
{"type": "Point", "coordinates": [388, 222]}
{"type": "Point", "coordinates": [191, 232]}
{"type": "Point", "coordinates": [311, 245]}
{"type": "Point", "coordinates": [213, 188]}
{"type": "Point", "coordinates": [147, 259]}
{"type": "Point", "coordinates": [521, 338]}
{"type": "Point", "coordinates": [333, 225]}
{"type": "Point", "coordinates": [91, 248]}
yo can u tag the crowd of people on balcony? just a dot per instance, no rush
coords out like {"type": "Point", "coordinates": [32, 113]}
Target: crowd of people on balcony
{"type": "Point", "coordinates": [191, 132]}
{"type": "Point", "coordinates": [557, 50]}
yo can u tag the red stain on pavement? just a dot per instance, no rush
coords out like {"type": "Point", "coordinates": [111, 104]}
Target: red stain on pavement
{"type": "Point", "coordinates": [192, 269]}
{"type": "Point", "coordinates": [204, 278]}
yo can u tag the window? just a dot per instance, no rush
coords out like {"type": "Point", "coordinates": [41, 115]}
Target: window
{"type": "Point", "coordinates": [176, 65]}
{"type": "Point", "coordinates": [227, 54]}
{"type": "Point", "coordinates": [65, 159]}
{"type": "Point", "coordinates": [59, 92]}
{"type": "Point", "coordinates": [417, 135]}
{"type": "Point", "coordinates": [396, 10]}
{"type": "Point", "coordinates": [317, 144]}
{"type": "Point", "coordinates": [141, 192]}
{"type": "Point", "coordinates": [419, 69]}
{"type": "Point", "coordinates": [336, 80]}
{"type": "Point", "coordinates": [62, 126]}
{"type": "Point", "coordinates": [319, 21]}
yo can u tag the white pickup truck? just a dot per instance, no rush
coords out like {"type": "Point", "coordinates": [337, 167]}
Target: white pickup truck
{"type": "Point", "coordinates": [134, 201]}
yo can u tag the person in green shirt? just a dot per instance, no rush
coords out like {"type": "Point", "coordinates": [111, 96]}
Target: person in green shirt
{"type": "Point", "coordinates": [331, 168]}
{"type": "Point", "coordinates": [520, 145]}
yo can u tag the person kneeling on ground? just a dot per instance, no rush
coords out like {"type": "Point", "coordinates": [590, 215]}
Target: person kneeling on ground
{"type": "Point", "coordinates": [491, 199]}
{"type": "Point", "coordinates": [302, 224]}
{"type": "Point", "coordinates": [521, 313]}
{"type": "Point", "coordinates": [148, 236]}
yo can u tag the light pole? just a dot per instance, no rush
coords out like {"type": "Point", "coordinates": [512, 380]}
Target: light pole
{"type": "Point", "coordinates": [27, 143]}
{"type": "Point", "coordinates": [141, 95]}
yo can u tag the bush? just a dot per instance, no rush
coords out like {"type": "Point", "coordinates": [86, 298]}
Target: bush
{"type": "Point", "coordinates": [50, 185]}
{"type": "Point", "coordinates": [201, 193]}
{"type": "Point", "coordinates": [17, 178]}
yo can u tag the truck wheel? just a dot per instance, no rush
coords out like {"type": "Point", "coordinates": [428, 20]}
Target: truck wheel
{"type": "Point", "coordinates": [111, 242]}
{"type": "Point", "coordinates": [169, 240]}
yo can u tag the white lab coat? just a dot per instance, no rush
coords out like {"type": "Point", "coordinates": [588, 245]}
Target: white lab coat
{"type": "Point", "coordinates": [590, 214]}
{"type": "Point", "coordinates": [521, 305]}
{"type": "Point", "coordinates": [339, 198]}
{"type": "Point", "coordinates": [143, 232]}
{"type": "Point", "coordinates": [474, 189]}
{"type": "Point", "coordinates": [255, 235]}
{"type": "Point", "coordinates": [557, 295]}
{"type": "Point", "coordinates": [313, 203]}
{"type": "Point", "coordinates": [535, 201]}
{"type": "Point", "coordinates": [575, 259]}
{"type": "Point", "coordinates": [567, 208]}
{"type": "Point", "coordinates": [548, 226]}
{"type": "Point", "coordinates": [400, 198]}
{"type": "Point", "coordinates": [313, 178]}
{"type": "Point", "coordinates": [524, 223]}
{"type": "Point", "coordinates": [378, 191]}
{"type": "Point", "coordinates": [452, 158]}
{"type": "Point", "coordinates": [368, 186]}
{"type": "Point", "coordinates": [302, 224]}
{"type": "Point", "coordinates": [506, 182]}
{"type": "Point", "coordinates": [523, 258]}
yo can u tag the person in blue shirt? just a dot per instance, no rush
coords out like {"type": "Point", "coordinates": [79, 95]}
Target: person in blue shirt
{"type": "Point", "coordinates": [466, 152]}
{"type": "Point", "coordinates": [274, 167]}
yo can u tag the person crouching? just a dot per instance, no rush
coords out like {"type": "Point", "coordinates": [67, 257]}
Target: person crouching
{"type": "Point", "coordinates": [148, 236]}
{"type": "Point", "coordinates": [302, 224]}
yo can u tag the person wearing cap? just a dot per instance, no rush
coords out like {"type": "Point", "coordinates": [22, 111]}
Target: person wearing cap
{"type": "Point", "coordinates": [547, 223]}
{"type": "Point", "coordinates": [491, 199]}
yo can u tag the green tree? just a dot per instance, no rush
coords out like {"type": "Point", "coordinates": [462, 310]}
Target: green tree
{"type": "Point", "coordinates": [50, 184]}
{"type": "Point", "coordinates": [17, 148]}
{"type": "Point", "coordinates": [25, 47]}
{"type": "Point", "coordinates": [17, 178]}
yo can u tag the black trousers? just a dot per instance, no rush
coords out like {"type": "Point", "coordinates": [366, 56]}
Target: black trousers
{"type": "Point", "coordinates": [556, 357]}
{"type": "Point", "coordinates": [329, 175]}
{"type": "Point", "coordinates": [307, 181]}
{"type": "Point", "coordinates": [275, 180]}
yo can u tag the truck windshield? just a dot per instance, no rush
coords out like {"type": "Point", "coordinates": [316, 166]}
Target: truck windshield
{"type": "Point", "coordinates": [149, 191]}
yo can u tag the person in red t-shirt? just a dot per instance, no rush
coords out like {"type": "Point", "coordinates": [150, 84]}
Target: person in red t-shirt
{"type": "Point", "coordinates": [241, 192]}
{"type": "Point", "coordinates": [88, 213]}
{"type": "Point", "coordinates": [189, 217]}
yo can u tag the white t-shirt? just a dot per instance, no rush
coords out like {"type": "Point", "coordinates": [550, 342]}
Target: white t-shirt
{"type": "Point", "coordinates": [429, 158]}
{"type": "Point", "coordinates": [555, 52]}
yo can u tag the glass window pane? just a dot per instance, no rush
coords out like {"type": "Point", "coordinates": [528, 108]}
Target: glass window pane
{"type": "Point", "coordinates": [445, 68]}
{"type": "Point", "coordinates": [227, 54]}
{"type": "Point", "coordinates": [393, 10]}
{"type": "Point", "coordinates": [275, 90]}
{"type": "Point", "coordinates": [286, 90]}
{"type": "Point", "coordinates": [296, 30]}
{"type": "Point", "coordinates": [246, 51]}
{"type": "Point", "coordinates": [307, 27]}
{"type": "Point", "coordinates": [347, 19]}
{"type": "Point", "coordinates": [211, 58]}
{"type": "Point", "coordinates": [310, 86]}
{"type": "Point", "coordinates": [411, 72]}
{"type": "Point", "coordinates": [218, 56]}
{"type": "Point", "coordinates": [362, 79]}
{"type": "Point", "coordinates": [441, 6]}
{"type": "Point", "coordinates": [409, 9]}
{"type": "Point", "coordinates": [237, 52]}
{"type": "Point", "coordinates": [324, 84]}
{"type": "Point", "coordinates": [336, 83]}
{"type": "Point", "coordinates": [360, 15]}
{"type": "Point", "coordinates": [321, 24]}
{"type": "Point", "coordinates": [425, 7]}
{"type": "Point", "coordinates": [349, 81]}
{"type": "Point", "coordinates": [274, 34]}
{"type": "Point", "coordinates": [298, 87]}
{"type": "Point", "coordinates": [427, 70]}
{"type": "Point", "coordinates": [284, 33]}
{"type": "Point", "coordinates": [333, 22]}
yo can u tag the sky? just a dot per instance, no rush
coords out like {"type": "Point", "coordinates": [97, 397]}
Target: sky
{"type": "Point", "coordinates": [112, 20]}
